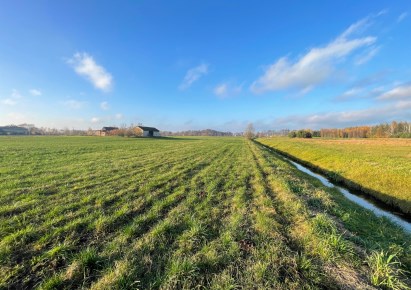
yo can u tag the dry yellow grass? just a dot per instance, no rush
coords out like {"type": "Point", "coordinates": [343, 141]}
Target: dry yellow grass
{"type": "Point", "coordinates": [380, 167]}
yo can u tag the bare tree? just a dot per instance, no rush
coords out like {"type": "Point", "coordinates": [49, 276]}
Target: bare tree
{"type": "Point", "coordinates": [249, 132]}
{"type": "Point", "coordinates": [90, 132]}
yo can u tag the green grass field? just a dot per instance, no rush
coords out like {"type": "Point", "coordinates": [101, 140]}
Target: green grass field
{"type": "Point", "coordinates": [380, 167]}
{"type": "Point", "coordinates": [183, 213]}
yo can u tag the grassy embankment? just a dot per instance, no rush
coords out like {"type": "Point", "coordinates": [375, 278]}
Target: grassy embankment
{"type": "Point", "coordinates": [220, 213]}
{"type": "Point", "coordinates": [380, 167]}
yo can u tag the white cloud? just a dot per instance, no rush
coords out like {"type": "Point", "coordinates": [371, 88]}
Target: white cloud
{"type": "Point", "coordinates": [314, 67]}
{"type": "Point", "coordinates": [104, 106]}
{"type": "Point", "coordinates": [9, 102]}
{"type": "Point", "coordinates": [359, 92]}
{"type": "Point", "coordinates": [399, 92]}
{"type": "Point", "coordinates": [403, 105]}
{"type": "Point", "coordinates": [399, 110]}
{"type": "Point", "coordinates": [221, 90]}
{"type": "Point", "coordinates": [226, 90]}
{"type": "Point", "coordinates": [350, 93]}
{"type": "Point", "coordinates": [35, 92]}
{"type": "Point", "coordinates": [95, 120]}
{"type": "Point", "coordinates": [106, 119]}
{"type": "Point", "coordinates": [193, 75]}
{"type": "Point", "coordinates": [402, 17]}
{"type": "Point", "coordinates": [13, 99]}
{"type": "Point", "coordinates": [305, 90]}
{"type": "Point", "coordinates": [84, 65]}
{"type": "Point", "coordinates": [357, 27]}
{"type": "Point", "coordinates": [74, 104]}
{"type": "Point", "coordinates": [368, 55]}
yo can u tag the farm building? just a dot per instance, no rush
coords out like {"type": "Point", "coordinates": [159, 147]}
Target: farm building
{"type": "Point", "coordinates": [105, 131]}
{"type": "Point", "coordinates": [132, 131]}
{"type": "Point", "coordinates": [149, 131]}
{"type": "Point", "coordinates": [13, 130]}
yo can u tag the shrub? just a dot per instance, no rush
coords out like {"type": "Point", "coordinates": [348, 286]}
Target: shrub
{"type": "Point", "coordinates": [304, 134]}
{"type": "Point", "coordinates": [292, 134]}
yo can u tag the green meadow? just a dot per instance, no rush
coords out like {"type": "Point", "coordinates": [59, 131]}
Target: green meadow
{"type": "Point", "coordinates": [183, 213]}
{"type": "Point", "coordinates": [380, 167]}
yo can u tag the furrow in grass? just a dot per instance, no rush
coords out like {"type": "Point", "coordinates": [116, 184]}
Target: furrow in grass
{"type": "Point", "coordinates": [85, 221]}
{"type": "Point", "coordinates": [73, 201]}
{"type": "Point", "coordinates": [156, 257]}
{"type": "Point", "coordinates": [155, 217]}
{"type": "Point", "coordinates": [94, 179]}
{"type": "Point", "coordinates": [204, 224]}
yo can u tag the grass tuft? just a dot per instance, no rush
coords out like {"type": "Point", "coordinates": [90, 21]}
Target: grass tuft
{"type": "Point", "coordinates": [386, 270]}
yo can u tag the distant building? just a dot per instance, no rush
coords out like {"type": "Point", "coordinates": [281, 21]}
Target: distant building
{"type": "Point", "coordinates": [105, 131]}
{"type": "Point", "coordinates": [129, 132]}
{"type": "Point", "coordinates": [13, 130]}
{"type": "Point", "coordinates": [108, 129]}
{"type": "Point", "coordinates": [149, 131]}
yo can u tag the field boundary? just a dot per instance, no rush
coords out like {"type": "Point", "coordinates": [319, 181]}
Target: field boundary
{"type": "Point", "coordinates": [394, 203]}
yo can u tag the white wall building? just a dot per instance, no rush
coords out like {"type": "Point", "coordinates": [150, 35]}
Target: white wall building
{"type": "Point", "coordinates": [149, 131]}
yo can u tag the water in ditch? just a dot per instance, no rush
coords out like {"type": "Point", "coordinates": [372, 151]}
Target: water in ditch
{"type": "Point", "coordinates": [377, 207]}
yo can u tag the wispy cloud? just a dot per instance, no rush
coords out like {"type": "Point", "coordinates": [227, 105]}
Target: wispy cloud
{"type": "Point", "coordinates": [106, 119]}
{"type": "Point", "coordinates": [398, 110]}
{"type": "Point", "coordinates": [85, 65]}
{"type": "Point", "coordinates": [369, 87]}
{"type": "Point", "coordinates": [8, 102]}
{"type": "Point", "coordinates": [226, 89]}
{"type": "Point", "coordinates": [13, 99]}
{"type": "Point", "coordinates": [349, 94]}
{"type": "Point", "coordinates": [193, 75]}
{"type": "Point", "coordinates": [104, 106]}
{"type": "Point", "coordinates": [402, 16]}
{"type": "Point", "coordinates": [35, 92]}
{"type": "Point", "coordinates": [368, 55]}
{"type": "Point", "coordinates": [95, 120]}
{"type": "Point", "coordinates": [74, 104]}
{"type": "Point", "coordinates": [356, 93]}
{"type": "Point", "coordinates": [399, 92]}
{"type": "Point", "coordinates": [316, 65]}
{"type": "Point", "coordinates": [372, 79]}
{"type": "Point", "coordinates": [221, 90]}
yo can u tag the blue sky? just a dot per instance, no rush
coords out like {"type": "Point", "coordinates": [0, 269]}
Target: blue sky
{"type": "Point", "coordinates": [180, 65]}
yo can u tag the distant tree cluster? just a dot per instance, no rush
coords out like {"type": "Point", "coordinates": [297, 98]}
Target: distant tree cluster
{"type": "Point", "coordinates": [384, 130]}
{"type": "Point", "coordinates": [351, 132]}
{"type": "Point", "coordinates": [206, 132]}
{"type": "Point", "coordinates": [395, 130]}
{"type": "Point", "coordinates": [301, 134]}
{"type": "Point", "coordinates": [33, 130]}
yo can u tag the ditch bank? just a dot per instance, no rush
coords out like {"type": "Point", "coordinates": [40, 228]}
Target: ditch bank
{"type": "Point", "coordinates": [349, 189]}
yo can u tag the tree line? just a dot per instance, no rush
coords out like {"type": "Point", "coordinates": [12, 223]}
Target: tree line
{"type": "Point", "coordinates": [395, 129]}
{"type": "Point", "coordinates": [206, 132]}
{"type": "Point", "coordinates": [385, 130]}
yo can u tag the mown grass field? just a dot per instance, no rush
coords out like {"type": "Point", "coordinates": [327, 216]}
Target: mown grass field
{"type": "Point", "coordinates": [380, 167]}
{"type": "Point", "coordinates": [183, 213]}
